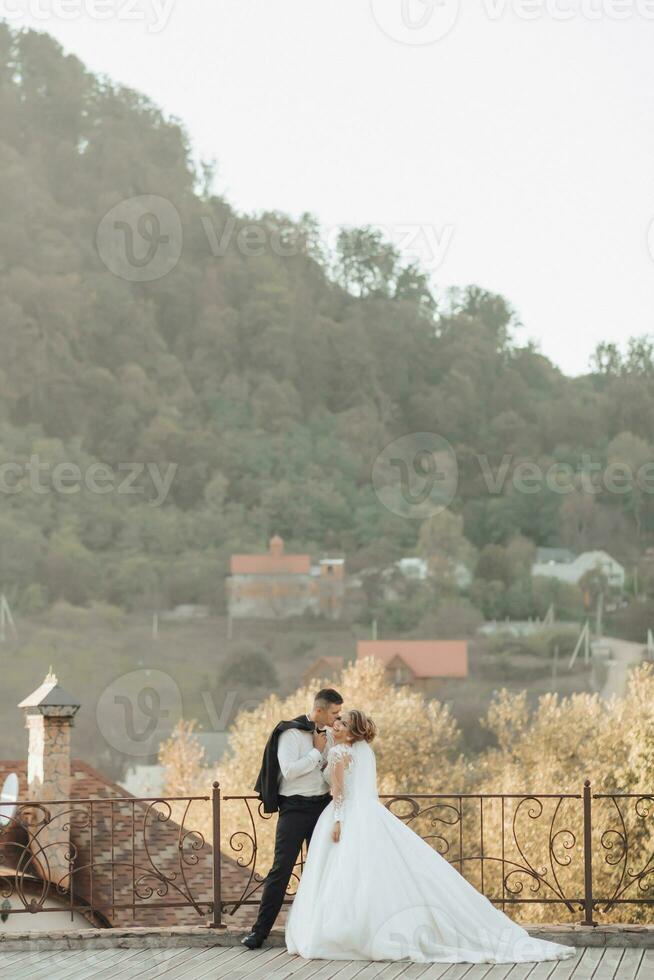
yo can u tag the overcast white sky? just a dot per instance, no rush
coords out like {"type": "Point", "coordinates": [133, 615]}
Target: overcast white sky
{"type": "Point", "coordinates": [510, 143]}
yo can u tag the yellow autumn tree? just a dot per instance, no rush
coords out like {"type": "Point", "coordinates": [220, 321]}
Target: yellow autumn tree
{"type": "Point", "coordinates": [416, 746]}
{"type": "Point", "coordinates": [417, 751]}
{"type": "Point", "coordinates": [552, 751]}
{"type": "Point", "coordinates": [532, 846]}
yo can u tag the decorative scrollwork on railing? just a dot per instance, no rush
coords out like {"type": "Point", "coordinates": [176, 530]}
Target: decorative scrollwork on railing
{"type": "Point", "coordinates": [104, 855]}
{"type": "Point", "coordinates": [145, 891]}
{"type": "Point", "coordinates": [124, 857]}
{"type": "Point", "coordinates": [438, 819]}
{"type": "Point", "coordinates": [244, 847]}
{"type": "Point", "coordinates": [541, 875]}
{"type": "Point", "coordinates": [442, 815]}
{"type": "Point", "coordinates": [627, 849]}
{"type": "Point", "coordinates": [436, 813]}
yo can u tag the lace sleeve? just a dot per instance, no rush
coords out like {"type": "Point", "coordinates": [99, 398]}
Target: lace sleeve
{"type": "Point", "coordinates": [339, 759]}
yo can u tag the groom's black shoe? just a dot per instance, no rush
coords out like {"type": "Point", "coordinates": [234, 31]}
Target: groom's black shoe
{"type": "Point", "coordinates": [252, 941]}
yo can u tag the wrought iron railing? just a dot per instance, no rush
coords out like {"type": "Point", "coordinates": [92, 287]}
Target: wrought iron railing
{"type": "Point", "coordinates": [124, 860]}
{"type": "Point", "coordinates": [570, 850]}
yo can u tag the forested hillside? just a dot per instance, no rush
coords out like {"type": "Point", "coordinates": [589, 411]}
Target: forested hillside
{"type": "Point", "coordinates": [271, 380]}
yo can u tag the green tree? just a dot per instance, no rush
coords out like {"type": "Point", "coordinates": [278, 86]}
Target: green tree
{"type": "Point", "coordinates": [248, 668]}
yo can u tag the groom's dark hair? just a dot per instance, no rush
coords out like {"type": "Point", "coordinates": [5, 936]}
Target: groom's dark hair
{"type": "Point", "coordinates": [327, 696]}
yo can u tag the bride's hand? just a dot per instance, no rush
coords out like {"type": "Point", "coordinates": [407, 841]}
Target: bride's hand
{"type": "Point", "coordinates": [336, 832]}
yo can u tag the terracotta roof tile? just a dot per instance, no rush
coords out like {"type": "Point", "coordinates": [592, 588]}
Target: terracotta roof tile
{"type": "Point", "coordinates": [425, 658]}
{"type": "Point", "coordinates": [140, 839]}
{"type": "Point", "coordinates": [270, 564]}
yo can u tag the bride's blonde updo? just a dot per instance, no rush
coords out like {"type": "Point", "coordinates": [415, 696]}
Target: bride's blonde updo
{"type": "Point", "coordinates": [360, 726]}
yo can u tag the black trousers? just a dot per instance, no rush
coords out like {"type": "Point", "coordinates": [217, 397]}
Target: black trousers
{"type": "Point", "coordinates": [298, 815]}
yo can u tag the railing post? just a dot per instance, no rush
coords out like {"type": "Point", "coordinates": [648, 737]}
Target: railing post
{"type": "Point", "coordinates": [588, 857]}
{"type": "Point", "coordinates": [217, 920]}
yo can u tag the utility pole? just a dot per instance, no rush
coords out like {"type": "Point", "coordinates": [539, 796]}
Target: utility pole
{"type": "Point", "coordinates": [599, 615]}
{"type": "Point", "coordinates": [584, 637]}
{"type": "Point", "coordinates": [6, 619]}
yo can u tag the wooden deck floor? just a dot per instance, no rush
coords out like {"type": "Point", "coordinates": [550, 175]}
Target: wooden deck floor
{"type": "Point", "coordinates": [221, 963]}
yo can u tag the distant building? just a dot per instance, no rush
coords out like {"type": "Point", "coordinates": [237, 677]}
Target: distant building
{"type": "Point", "coordinates": [422, 664]}
{"type": "Point", "coordinates": [418, 570]}
{"type": "Point", "coordinates": [148, 779]}
{"type": "Point", "coordinates": [559, 556]}
{"type": "Point", "coordinates": [277, 585]}
{"type": "Point", "coordinates": [323, 669]}
{"type": "Point", "coordinates": [512, 627]}
{"type": "Point", "coordinates": [571, 570]}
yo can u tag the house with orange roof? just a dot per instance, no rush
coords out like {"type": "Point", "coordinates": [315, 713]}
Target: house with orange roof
{"type": "Point", "coordinates": [278, 585]}
{"type": "Point", "coordinates": [323, 669]}
{"type": "Point", "coordinates": [422, 664]}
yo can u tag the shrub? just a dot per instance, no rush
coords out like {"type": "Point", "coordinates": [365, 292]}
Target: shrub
{"type": "Point", "coordinates": [248, 668]}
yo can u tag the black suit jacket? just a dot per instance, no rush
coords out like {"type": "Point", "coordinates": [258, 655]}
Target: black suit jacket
{"type": "Point", "coordinates": [267, 784]}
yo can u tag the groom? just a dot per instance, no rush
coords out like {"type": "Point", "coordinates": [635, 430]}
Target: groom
{"type": "Point", "coordinates": [291, 780]}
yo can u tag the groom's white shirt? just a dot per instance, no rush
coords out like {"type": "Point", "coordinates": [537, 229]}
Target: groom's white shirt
{"type": "Point", "coordinates": [300, 764]}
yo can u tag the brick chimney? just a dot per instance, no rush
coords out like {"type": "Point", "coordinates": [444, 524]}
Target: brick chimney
{"type": "Point", "coordinates": [49, 713]}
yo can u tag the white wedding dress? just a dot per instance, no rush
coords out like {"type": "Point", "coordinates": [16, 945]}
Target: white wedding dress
{"type": "Point", "coordinates": [382, 893]}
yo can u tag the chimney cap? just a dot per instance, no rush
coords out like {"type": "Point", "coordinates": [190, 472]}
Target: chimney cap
{"type": "Point", "coordinates": [51, 695]}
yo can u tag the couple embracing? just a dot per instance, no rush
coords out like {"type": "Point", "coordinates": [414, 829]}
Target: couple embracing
{"type": "Point", "coordinates": [371, 888]}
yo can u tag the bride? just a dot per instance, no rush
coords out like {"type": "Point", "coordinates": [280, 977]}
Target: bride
{"type": "Point", "coordinates": [372, 889]}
